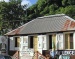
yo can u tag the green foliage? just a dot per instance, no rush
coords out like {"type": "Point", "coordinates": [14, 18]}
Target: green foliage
{"type": "Point", "coordinates": [60, 10]}
{"type": "Point", "coordinates": [41, 5]}
{"type": "Point", "coordinates": [49, 7]}
{"type": "Point", "coordinates": [45, 11]}
{"type": "Point", "coordinates": [68, 2]}
{"type": "Point", "coordinates": [70, 10]}
{"type": "Point", "coordinates": [11, 15]}
{"type": "Point", "coordinates": [64, 2]}
{"type": "Point", "coordinates": [71, 2]}
{"type": "Point", "coordinates": [52, 9]}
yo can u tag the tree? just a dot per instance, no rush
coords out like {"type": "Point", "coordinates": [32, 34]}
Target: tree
{"type": "Point", "coordinates": [52, 9]}
{"type": "Point", "coordinates": [71, 2]}
{"type": "Point", "coordinates": [70, 11]}
{"type": "Point", "coordinates": [64, 2]}
{"type": "Point", "coordinates": [11, 15]}
{"type": "Point", "coordinates": [49, 7]}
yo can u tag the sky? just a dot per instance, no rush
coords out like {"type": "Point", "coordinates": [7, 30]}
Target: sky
{"type": "Point", "coordinates": [29, 2]}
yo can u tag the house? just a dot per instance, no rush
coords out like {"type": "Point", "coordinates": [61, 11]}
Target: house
{"type": "Point", "coordinates": [43, 34]}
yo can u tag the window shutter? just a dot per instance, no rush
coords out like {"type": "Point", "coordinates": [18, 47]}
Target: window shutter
{"type": "Point", "coordinates": [60, 41]}
{"type": "Point", "coordinates": [44, 42]}
{"type": "Point", "coordinates": [40, 42]}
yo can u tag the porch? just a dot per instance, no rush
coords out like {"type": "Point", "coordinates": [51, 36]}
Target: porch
{"type": "Point", "coordinates": [66, 54]}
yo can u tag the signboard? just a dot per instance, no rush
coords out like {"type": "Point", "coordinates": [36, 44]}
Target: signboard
{"type": "Point", "coordinates": [66, 52]}
{"type": "Point", "coordinates": [27, 52]}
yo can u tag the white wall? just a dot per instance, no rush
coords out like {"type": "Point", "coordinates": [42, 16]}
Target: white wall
{"type": "Point", "coordinates": [12, 43]}
{"type": "Point", "coordinates": [74, 40]}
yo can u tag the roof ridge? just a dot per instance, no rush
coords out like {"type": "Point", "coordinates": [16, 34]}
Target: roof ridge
{"type": "Point", "coordinates": [56, 15]}
{"type": "Point", "coordinates": [70, 18]}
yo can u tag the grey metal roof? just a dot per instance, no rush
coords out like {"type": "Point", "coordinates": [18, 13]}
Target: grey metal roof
{"type": "Point", "coordinates": [53, 23]}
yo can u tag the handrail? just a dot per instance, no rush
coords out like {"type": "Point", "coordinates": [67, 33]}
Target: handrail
{"type": "Point", "coordinates": [38, 53]}
{"type": "Point", "coordinates": [16, 55]}
{"type": "Point", "coordinates": [41, 55]}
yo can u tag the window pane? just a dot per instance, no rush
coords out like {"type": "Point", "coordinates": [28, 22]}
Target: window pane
{"type": "Point", "coordinates": [31, 42]}
{"type": "Point", "coordinates": [50, 41]}
{"type": "Point", "coordinates": [66, 41]}
{"type": "Point", "coordinates": [71, 41]}
{"type": "Point", "coordinates": [17, 41]}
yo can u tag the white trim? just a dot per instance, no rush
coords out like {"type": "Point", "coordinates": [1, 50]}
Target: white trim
{"type": "Point", "coordinates": [52, 16]}
{"type": "Point", "coordinates": [74, 40]}
{"type": "Point", "coordinates": [70, 18]}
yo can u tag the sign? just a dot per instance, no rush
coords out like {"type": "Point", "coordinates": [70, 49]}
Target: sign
{"type": "Point", "coordinates": [66, 52]}
{"type": "Point", "coordinates": [27, 52]}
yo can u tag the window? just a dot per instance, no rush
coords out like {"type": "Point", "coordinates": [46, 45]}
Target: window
{"type": "Point", "coordinates": [50, 41]}
{"type": "Point", "coordinates": [66, 41]}
{"type": "Point", "coordinates": [25, 40]}
{"type": "Point", "coordinates": [17, 41]}
{"type": "Point", "coordinates": [31, 42]}
{"type": "Point", "coordinates": [69, 41]}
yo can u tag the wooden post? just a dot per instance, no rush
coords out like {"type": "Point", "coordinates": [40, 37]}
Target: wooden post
{"type": "Point", "coordinates": [36, 54]}
{"type": "Point", "coordinates": [68, 41]}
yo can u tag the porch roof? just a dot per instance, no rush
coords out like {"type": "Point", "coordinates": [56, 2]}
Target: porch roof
{"type": "Point", "coordinates": [52, 23]}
